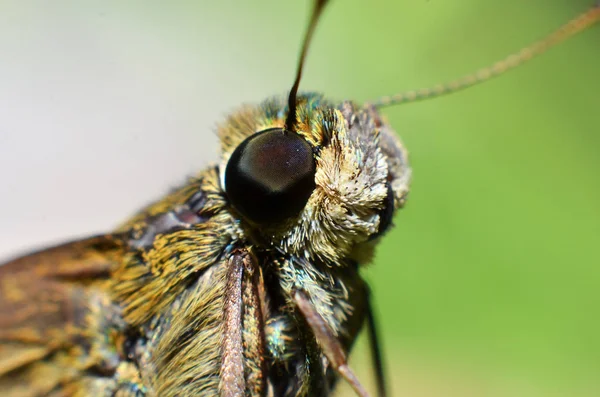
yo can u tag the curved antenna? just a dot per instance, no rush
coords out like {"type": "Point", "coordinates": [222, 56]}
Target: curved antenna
{"type": "Point", "coordinates": [569, 29]}
{"type": "Point", "coordinates": [290, 121]}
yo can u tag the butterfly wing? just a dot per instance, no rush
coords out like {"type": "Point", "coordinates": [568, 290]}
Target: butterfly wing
{"type": "Point", "coordinates": [54, 315]}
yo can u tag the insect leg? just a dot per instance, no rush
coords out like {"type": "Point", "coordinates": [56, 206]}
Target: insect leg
{"type": "Point", "coordinates": [376, 351]}
{"type": "Point", "coordinates": [331, 346]}
{"type": "Point", "coordinates": [253, 328]}
{"type": "Point", "coordinates": [244, 369]}
{"type": "Point", "coordinates": [232, 382]}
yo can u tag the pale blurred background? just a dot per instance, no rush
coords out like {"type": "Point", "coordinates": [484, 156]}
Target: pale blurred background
{"type": "Point", "coordinates": [488, 286]}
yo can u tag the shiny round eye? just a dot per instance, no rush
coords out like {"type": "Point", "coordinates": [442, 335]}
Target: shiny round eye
{"type": "Point", "coordinates": [270, 176]}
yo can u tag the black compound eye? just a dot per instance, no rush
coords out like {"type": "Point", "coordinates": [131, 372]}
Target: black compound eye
{"type": "Point", "coordinates": [270, 176]}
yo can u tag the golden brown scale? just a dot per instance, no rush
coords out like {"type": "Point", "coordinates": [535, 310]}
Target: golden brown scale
{"type": "Point", "coordinates": [184, 357]}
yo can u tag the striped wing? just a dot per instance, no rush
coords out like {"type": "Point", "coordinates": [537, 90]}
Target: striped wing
{"type": "Point", "coordinates": [54, 314]}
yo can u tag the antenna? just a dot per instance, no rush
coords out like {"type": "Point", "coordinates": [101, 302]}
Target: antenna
{"type": "Point", "coordinates": [569, 29]}
{"type": "Point", "coordinates": [290, 121]}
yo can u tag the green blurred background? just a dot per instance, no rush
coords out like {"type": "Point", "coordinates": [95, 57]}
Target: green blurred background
{"type": "Point", "coordinates": [488, 285]}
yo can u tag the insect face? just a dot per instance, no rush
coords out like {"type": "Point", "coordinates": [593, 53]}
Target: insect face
{"type": "Point", "coordinates": [344, 174]}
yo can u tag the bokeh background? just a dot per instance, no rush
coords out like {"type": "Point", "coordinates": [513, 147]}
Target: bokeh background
{"type": "Point", "coordinates": [488, 285]}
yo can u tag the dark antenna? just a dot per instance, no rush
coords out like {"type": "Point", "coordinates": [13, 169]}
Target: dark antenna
{"type": "Point", "coordinates": [569, 29]}
{"type": "Point", "coordinates": [290, 121]}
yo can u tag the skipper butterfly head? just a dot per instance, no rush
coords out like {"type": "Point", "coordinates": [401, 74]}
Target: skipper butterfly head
{"type": "Point", "coordinates": [326, 190]}
{"type": "Point", "coordinates": [318, 179]}
{"type": "Point", "coordinates": [311, 177]}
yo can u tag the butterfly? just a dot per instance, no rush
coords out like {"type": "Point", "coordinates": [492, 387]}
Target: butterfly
{"type": "Point", "coordinates": [245, 280]}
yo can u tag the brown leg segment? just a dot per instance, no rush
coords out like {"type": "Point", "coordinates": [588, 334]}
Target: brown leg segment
{"type": "Point", "coordinates": [253, 331]}
{"type": "Point", "coordinates": [232, 382]}
{"type": "Point", "coordinates": [332, 348]}
{"type": "Point", "coordinates": [243, 370]}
